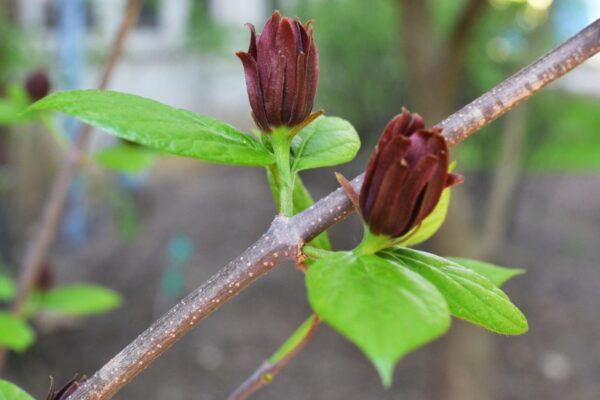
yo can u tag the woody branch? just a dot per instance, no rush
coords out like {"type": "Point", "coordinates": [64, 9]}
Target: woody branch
{"type": "Point", "coordinates": [286, 236]}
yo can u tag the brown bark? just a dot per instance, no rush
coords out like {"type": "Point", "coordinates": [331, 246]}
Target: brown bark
{"type": "Point", "coordinates": [435, 66]}
{"type": "Point", "coordinates": [266, 253]}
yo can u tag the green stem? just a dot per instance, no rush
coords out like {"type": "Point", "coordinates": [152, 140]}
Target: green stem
{"type": "Point", "coordinates": [301, 199]}
{"type": "Point", "coordinates": [282, 141]}
{"type": "Point", "coordinates": [316, 252]}
{"type": "Point", "coordinates": [372, 243]}
{"type": "Point", "coordinates": [273, 177]}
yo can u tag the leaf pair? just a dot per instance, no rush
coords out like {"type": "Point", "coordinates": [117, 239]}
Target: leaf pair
{"type": "Point", "coordinates": [325, 142]}
{"type": "Point", "coordinates": [11, 107]}
{"type": "Point", "coordinates": [15, 333]}
{"type": "Point", "coordinates": [393, 304]}
{"type": "Point", "coordinates": [10, 391]}
{"type": "Point", "coordinates": [77, 300]}
{"type": "Point", "coordinates": [125, 158]}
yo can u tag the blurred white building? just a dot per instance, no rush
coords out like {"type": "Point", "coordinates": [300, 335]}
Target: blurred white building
{"type": "Point", "coordinates": [159, 62]}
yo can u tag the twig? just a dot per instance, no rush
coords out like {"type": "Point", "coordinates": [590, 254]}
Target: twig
{"type": "Point", "coordinates": [286, 236]}
{"type": "Point", "coordinates": [270, 368]}
{"type": "Point", "coordinates": [504, 181]}
{"type": "Point", "coordinates": [522, 85]}
{"type": "Point", "coordinates": [53, 209]}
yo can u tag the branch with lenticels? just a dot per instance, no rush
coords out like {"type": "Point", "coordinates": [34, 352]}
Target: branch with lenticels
{"type": "Point", "coordinates": [286, 236]}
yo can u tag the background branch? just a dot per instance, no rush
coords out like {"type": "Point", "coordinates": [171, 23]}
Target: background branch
{"type": "Point", "coordinates": [286, 236]}
{"type": "Point", "coordinates": [37, 250]}
{"type": "Point", "coordinates": [522, 85]}
{"type": "Point", "coordinates": [271, 367]}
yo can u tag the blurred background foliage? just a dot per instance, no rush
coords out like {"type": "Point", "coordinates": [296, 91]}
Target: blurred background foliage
{"type": "Point", "coordinates": [375, 58]}
{"type": "Point", "coordinates": [364, 75]}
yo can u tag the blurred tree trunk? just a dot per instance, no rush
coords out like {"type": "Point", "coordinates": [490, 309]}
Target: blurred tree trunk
{"type": "Point", "coordinates": [7, 11]}
{"type": "Point", "coordinates": [275, 5]}
{"type": "Point", "coordinates": [468, 351]}
{"type": "Point", "coordinates": [435, 67]}
{"type": "Point", "coordinates": [20, 145]}
{"type": "Point", "coordinates": [506, 178]}
{"type": "Point", "coordinates": [7, 7]}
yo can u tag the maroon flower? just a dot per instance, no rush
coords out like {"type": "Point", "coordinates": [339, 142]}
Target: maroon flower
{"type": "Point", "coordinates": [45, 278]}
{"type": "Point", "coordinates": [37, 85]}
{"type": "Point", "coordinates": [405, 177]}
{"type": "Point", "coordinates": [282, 71]}
{"type": "Point", "coordinates": [68, 389]}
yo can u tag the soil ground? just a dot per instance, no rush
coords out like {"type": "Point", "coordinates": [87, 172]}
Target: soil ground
{"type": "Point", "coordinates": [553, 235]}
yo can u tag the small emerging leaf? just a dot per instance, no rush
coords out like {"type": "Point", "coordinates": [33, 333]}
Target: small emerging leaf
{"type": "Point", "coordinates": [325, 142]}
{"type": "Point", "coordinates": [385, 309]}
{"type": "Point", "coordinates": [15, 334]}
{"type": "Point", "coordinates": [13, 105]}
{"type": "Point", "coordinates": [80, 299]}
{"type": "Point", "coordinates": [470, 296]}
{"type": "Point", "coordinates": [498, 275]}
{"type": "Point", "coordinates": [10, 391]}
{"type": "Point", "coordinates": [159, 126]}
{"type": "Point", "coordinates": [431, 224]}
{"type": "Point", "coordinates": [294, 340]}
{"type": "Point", "coordinates": [125, 158]}
{"type": "Point", "coordinates": [7, 288]}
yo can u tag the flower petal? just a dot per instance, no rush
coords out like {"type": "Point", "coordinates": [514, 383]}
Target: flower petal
{"type": "Point", "coordinates": [254, 88]}
{"type": "Point", "coordinates": [436, 145]}
{"type": "Point", "coordinates": [395, 150]}
{"type": "Point", "coordinates": [382, 218]}
{"type": "Point", "coordinates": [287, 39]}
{"type": "Point", "coordinates": [405, 211]}
{"type": "Point", "coordinates": [266, 47]}
{"type": "Point", "coordinates": [274, 92]}
{"type": "Point", "coordinates": [297, 115]}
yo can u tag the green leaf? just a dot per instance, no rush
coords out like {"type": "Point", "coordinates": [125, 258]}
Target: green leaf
{"type": "Point", "coordinates": [325, 142]}
{"type": "Point", "coordinates": [159, 126]}
{"type": "Point", "coordinates": [15, 334]}
{"type": "Point", "coordinates": [383, 308]}
{"type": "Point", "coordinates": [470, 296]}
{"type": "Point", "coordinates": [7, 288]}
{"type": "Point", "coordinates": [18, 95]}
{"type": "Point", "coordinates": [10, 391]}
{"type": "Point", "coordinates": [80, 299]}
{"type": "Point", "coordinates": [12, 107]}
{"type": "Point", "coordinates": [294, 340]}
{"type": "Point", "coordinates": [431, 224]}
{"type": "Point", "coordinates": [452, 166]}
{"type": "Point", "coordinates": [496, 274]}
{"type": "Point", "coordinates": [32, 304]}
{"type": "Point", "coordinates": [125, 158]}
{"type": "Point", "coordinates": [10, 113]}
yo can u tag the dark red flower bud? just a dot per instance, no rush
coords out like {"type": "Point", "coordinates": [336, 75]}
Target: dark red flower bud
{"type": "Point", "coordinates": [68, 389]}
{"type": "Point", "coordinates": [282, 71]}
{"type": "Point", "coordinates": [405, 177]}
{"type": "Point", "coordinates": [45, 279]}
{"type": "Point", "coordinates": [37, 85]}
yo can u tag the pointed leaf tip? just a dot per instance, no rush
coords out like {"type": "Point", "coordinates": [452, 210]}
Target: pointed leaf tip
{"type": "Point", "coordinates": [385, 309]}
